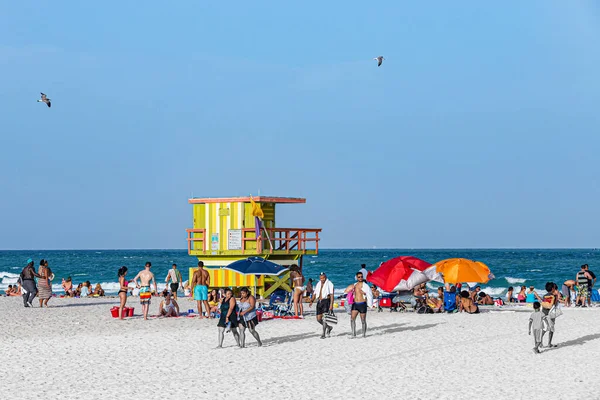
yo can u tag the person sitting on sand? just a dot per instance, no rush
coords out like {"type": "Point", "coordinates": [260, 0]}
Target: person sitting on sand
{"type": "Point", "coordinates": [16, 291]}
{"type": "Point", "coordinates": [214, 301]}
{"type": "Point", "coordinates": [98, 291]}
{"type": "Point", "coordinates": [168, 307]}
{"type": "Point", "coordinates": [436, 303]}
{"type": "Point", "coordinates": [309, 288]}
{"type": "Point", "coordinates": [522, 296]}
{"type": "Point", "coordinates": [510, 298]}
{"type": "Point", "coordinates": [466, 304]}
{"type": "Point", "coordinates": [8, 290]}
{"type": "Point", "coordinates": [532, 295]}
{"type": "Point", "coordinates": [67, 286]}
{"type": "Point", "coordinates": [84, 289]}
{"type": "Point", "coordinates": [485, 299]}
{"type": "Point", "coordinates": [474, 293]}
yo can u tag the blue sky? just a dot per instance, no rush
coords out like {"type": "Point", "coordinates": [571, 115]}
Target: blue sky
{"type": "Point", "coordinates": [480, 129]}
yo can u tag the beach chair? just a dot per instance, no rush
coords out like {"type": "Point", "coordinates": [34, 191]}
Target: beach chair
{"type": "Point", "coordinates": [390, 301]}
{"type": "Point", "coordinates": [284, 308]}
{"type": "Point", "coordinates": [278, 297]}
{"type": "Point", "coordinates": [421, 307]}
{"type": "Point", "coordinates": [450, 302]}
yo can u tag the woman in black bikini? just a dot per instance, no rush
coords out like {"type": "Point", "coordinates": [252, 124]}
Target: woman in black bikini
{"type": "Point", "coordinates": [466, 304]}
{"type": "Point", "coordinates": [122, 289]}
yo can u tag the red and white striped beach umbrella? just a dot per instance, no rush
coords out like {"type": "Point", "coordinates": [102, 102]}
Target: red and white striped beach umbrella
{"type": "Point", "coordinates": [401, 273]}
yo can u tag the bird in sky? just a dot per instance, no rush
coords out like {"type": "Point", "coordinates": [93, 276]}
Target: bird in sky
{"type": "Point", "coordinates": [379, 60]}
{"type": "Point", "coordinates": [45, 99]}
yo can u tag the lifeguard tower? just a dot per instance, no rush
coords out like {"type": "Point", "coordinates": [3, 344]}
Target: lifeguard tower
{"type": "Point", "coordinates": [226, 230]}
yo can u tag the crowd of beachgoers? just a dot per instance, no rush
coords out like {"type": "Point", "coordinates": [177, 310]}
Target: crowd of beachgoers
{"type": "Point", "coordinates": [238, 310]}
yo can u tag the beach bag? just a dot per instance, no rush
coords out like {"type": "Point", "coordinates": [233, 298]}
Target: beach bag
{"type": "Point", "coordinates": [555, 312]}
{"type": "Point", "coordinates": [330, 318]}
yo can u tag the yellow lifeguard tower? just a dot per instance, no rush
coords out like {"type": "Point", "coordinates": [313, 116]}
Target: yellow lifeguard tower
{"type": "Point", "coordinates": [225, 230]}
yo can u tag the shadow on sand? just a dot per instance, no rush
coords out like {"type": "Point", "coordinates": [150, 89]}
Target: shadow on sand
{"type": "Point", "coordinates": [375, 331]}
{"type": "Point", "coordinates": [575, 342]}
{"type": "Point", "coordinates": [114, 303]}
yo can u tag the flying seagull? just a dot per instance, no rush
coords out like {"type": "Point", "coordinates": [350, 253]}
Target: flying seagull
{"type": "Point", "coordinates": [379, 60]}
{"type": "Point", "coordinates": [45, 99]}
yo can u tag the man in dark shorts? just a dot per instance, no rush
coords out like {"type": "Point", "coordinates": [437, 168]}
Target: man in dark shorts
{"type": "Point", "coordinates": [324, 295]}
{"type": "Point", "coordinates": [175, 277]}
{"type": "Point", "coordinates": [591, 283]}
{"type": "Point", "coordinates": [363, 297]}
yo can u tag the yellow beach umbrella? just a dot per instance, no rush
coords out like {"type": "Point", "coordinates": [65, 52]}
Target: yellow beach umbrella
{"type": "Point", "coordinates": [457, 270]}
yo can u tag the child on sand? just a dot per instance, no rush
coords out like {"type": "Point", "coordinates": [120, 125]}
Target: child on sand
{"type": "Point", "coordinates": [535, 322]}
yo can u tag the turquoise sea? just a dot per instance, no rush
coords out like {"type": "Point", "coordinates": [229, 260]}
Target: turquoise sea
{"type": "Point", "coordinates": [511, 267]}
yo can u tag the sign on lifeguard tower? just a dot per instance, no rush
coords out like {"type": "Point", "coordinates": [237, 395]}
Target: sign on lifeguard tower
{"type": "Point", "coordinates": [229, 229]}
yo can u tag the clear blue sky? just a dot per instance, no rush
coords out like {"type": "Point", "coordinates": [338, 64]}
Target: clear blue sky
{"type": "Point", "coordinates": [481, 129]}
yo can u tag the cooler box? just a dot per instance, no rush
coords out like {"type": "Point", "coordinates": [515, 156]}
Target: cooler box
{"type": "Point", "coordinates": [385, 302]}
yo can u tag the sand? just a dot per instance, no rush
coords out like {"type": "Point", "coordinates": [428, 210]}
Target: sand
{"type": "Point", "coordinates": [76, 349]}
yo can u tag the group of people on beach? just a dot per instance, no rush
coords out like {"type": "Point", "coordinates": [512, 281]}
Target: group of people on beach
{"type": "Point", "coordinates": [32, 284]}
{"type": "Point", "coordinates": [238, 315]}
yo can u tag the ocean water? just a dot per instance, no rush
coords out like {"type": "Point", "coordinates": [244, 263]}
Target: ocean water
{"type": "Point", "coordinates": [511, 267]}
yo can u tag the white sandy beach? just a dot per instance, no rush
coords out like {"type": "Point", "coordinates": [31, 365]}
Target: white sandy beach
{"type": "Point", "coordinates": [76, 349]}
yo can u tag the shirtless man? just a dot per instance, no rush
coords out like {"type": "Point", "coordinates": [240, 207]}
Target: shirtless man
{"type": "Point", "coordinates": [568, 287]}
{"type": "Point", "coordinates": [363, 297]}
{"type": "Point", "coordinates": [168, 307]}
{"type": "Point", "coordinates": [145, 278]}
{"type": "Point", "coordinates": [200, 283]}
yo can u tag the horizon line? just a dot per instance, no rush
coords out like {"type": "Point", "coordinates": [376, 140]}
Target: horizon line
{"type": "Point", "coordinates": [329, 248]}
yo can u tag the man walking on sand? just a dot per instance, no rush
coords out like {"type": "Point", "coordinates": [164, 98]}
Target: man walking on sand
{"type": "Point", "coordinates": [324, 295]}
{"type": "Point", "coordinates": [363, 298]}
{"type": "Point", "coordinates": [175, 277]}
{"type": "Point", "coordinates": [199, 286]}
{"type": "Point", "coordinates": [145, 278]}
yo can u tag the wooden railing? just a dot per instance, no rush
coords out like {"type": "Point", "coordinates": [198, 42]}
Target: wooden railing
{"type": "Point", "coordinates": [278, 240]}
{"type": "Point", "coordinates": [192, 239]}
{"type": "Point", "coordinates": [293, 238]}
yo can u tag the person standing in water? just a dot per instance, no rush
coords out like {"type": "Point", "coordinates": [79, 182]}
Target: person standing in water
{"type": "Point", "coordinates": [324, 295]}
{"type": "Point", "coordinates": [228, 319]}
{"type": "Point", "coordinates": [248, 318]}
{"type": "Point", "coordinates": [200, 283]}
{"type": "Point", "coordinates": [123, 288]}
{"type": "Point", "coordinates": [146, 277]}
{"type": "Point", "coordinates": [175, 277]}
{"type": "Point", "coordinates": [28, 286]}
{"type": "Point", "coordinates": [363, 298]}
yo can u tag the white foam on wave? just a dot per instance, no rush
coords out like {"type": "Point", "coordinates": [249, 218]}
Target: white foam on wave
{"type": "Point", "coordinates": [8, 275]}
{"type": "Point", "coordinates": [534, 270]}
{"type": "Point", "coordinates": [512, 281]}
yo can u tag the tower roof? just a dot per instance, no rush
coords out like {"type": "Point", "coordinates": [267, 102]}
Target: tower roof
{"type": "Point", "coordinates": [258, 199]}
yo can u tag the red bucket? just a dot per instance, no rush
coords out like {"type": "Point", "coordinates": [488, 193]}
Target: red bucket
{"type": "Point", "coordinates": [130, 312]}
{"type": "Point", "coordinates": [259, 315]}
{"type": "Point", "coordinates": [115, 312]}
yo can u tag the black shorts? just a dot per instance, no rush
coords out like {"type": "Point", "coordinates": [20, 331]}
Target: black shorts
{"type": "Point", "coordinates": [174, 287]}
{"type": "Point", "coordinates": [323, 306]}
{"type": "Point", "coordinates": [360, 307]}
